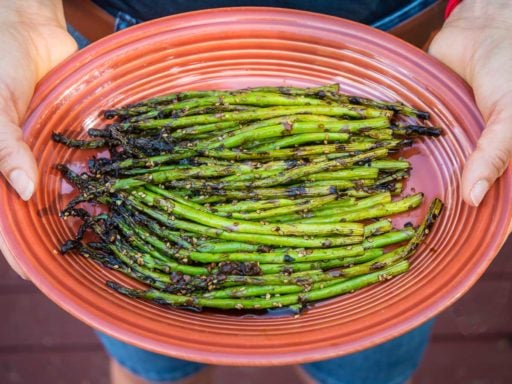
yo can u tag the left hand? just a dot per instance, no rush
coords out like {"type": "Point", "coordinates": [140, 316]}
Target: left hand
{"type": "Point", "coordinates": [476, 42]}
{"type": "Point", "coordinates": [32, 41]}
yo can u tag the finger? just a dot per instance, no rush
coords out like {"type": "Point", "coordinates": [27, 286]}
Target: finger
{"type": "Point", "coordinates": [17, 163]}
{"type": "Point", "coordinates": [490, 158]}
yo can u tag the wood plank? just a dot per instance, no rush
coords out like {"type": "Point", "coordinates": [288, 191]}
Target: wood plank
{"type": "Point", "coordinates": [56, 368]}
{"type": "Point", "coordinates": [8, 278]}
{"type": "Point", "coordinates": [32, 319]}
{"type": "Point", "coordinates": [471, 362]}
{"type": "Point", "coordinates": [248, 375]}
{"type": "Point", "coordinates": [502, 264]}
{"type": "Point", "coordinates": [485, 309]}
{"type": "Point", "coordinates": [445, 362]}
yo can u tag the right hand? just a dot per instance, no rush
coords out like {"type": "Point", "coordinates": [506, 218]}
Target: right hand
{"type": "Point", "coordinates": [33, 40]}
{"type": "Point", "coordinates": [476, 43]}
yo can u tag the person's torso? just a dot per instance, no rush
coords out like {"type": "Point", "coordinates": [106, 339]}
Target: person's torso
{"type": "Point", "coordinates": [364, 11]}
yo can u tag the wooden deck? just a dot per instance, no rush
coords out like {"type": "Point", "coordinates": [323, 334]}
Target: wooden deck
{"type": "Point", "coordinates": [41, 344]}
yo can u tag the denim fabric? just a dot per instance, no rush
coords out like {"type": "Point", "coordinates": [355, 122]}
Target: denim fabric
{"type": "Point", "coordinates": [123, 21]}
{"type": "Point", "coordinates": [393, 362]}
{"type": "Point", "coordinates": [363, 11]}
{"type": "Point", "coordinates": [403, 14]}
{"type": "Point", "coordinates": [148, 365]}
{"type": "Point", "coordinates": [80, 40]}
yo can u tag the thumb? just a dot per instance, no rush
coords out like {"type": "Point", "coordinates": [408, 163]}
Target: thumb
{"type": "Point", "coordinates": [21, 66]}
{"type": "Point", "coordinates": [17, 163]}
{"type": "Point", "coordinates": [490, 158]}
{"type": "Point", "coordinates": [478, 49]}
{"type": "Point", "coordinates": [18, 166]}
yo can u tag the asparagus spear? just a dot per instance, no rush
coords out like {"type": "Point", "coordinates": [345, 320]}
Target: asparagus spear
{"type": "Point", "coordinates": [253, 98]}
{"type": "Point", "coordinates": [381, 210]}
{"type": "Point", "coordinates": [392, 106]}
{"type": "Point", "coordinates": [262, 113]}
{"type": "Point", "coordinates": [333, 211]}
{"type": "Point", "coordinates": [205, 201]}
{"type": "Point", "coordinates": [255, 205]}
{"type": "Point", "coordinates": [342, 127]}
{"type": "Point", "coordinates": [206, 128]}
{"type": "Point", "coordinates": [344, 286]}
{"type": "Point", "coordinates": [171, 98]}
{"type": "Point", "coordinates": [251, 238]}
{"type": "Point", "coordinates": [368, 255]}
{"type": "Point", "coordinates": [308, 204]}
{"type": "Point", "coordinates": [299, 139]}
{"type": "Point", "coordinates": [215, 221]}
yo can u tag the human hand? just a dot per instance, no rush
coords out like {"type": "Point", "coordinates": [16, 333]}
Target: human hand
{"type": "Point", "coordinates": [476, 42]}
{"type": "Point", "coordinates": [33, 40]}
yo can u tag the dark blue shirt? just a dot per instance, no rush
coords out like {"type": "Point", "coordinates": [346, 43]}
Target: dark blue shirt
{"type": "Point", "coordinates": [364, 11]}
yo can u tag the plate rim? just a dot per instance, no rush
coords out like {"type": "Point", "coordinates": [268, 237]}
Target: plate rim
{"type": "Point", "coordinates": [200, 356]}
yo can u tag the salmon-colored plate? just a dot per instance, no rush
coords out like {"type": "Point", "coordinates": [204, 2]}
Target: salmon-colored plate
{"type": "Point", "coordinates": [235, 48]}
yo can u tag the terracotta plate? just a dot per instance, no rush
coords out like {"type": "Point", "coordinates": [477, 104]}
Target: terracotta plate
{"type": "Point", "coordinates": [235, 48]}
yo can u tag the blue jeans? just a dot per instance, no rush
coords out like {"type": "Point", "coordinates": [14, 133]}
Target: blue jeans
{"type": "Point", "coordinates": [392, 362]}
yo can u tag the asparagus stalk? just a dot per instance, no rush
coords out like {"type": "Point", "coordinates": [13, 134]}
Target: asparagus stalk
{"type": "Point", "coordinates": [372, 212]}
{"type": "Point", "coordinates": [344, 286]}
{"type": "Point", "coordinates": [251, 238]}
{"type": "Point", "coordinates": [219, 222]}
{"type": "Point", "coordinates": [368, 255]}
{"type": "Point", "coordinates": [320, 92]}
{"type": "Point", "coordinates": [378, 227]}
{"type": "Point", "coordinates": [417, 130]}
{"type": "Point", "coordinates": [257, 290]}
{"type": "Point", "coordinates": [262, 113]}
{"type": "Point", "coordinates": [332, 165]}
{"type": "Point", "coordinates": [392, 106]}
{"type": "Point", "coordinates": [354, 173]}
{"type": "Point", "coordinates": [252, 98]}
{"type": "Point", "coordinates": [222, 198]}
{"type": "Point", "coordinates": [309, 204]}
{"type": "Point", "coordinates": [238, 155]}
{"type": "Point", "coordinates": [388, 164]}
{"type": "Point", "coordinates": [333, 211]}
{"type": "Point", "coordinates": [206, 128]}
{"type": "Point", "coordinates": [299, 139]}
{"type": "Point", "coordinates": [256, 205]}
{"type": "Point", "coordinates": [342, 127]}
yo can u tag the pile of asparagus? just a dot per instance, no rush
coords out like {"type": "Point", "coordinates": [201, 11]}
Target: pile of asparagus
{"type": "Point", "coordinates": [250, 199]}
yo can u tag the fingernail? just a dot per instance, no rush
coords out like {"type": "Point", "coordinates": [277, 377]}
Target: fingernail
{"type": "Point", "coordinates": [20, 181]}
{"type": "Point", "coordinates": [478, 191]}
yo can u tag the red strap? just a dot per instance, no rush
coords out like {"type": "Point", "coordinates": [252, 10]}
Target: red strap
{"type": "Point", "coordinates": [452, 4]}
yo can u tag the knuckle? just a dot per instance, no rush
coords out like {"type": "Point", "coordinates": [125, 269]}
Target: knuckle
{"type": "Point", "coordinates": [500, 160]}
{"type": "Point", "coordinates": [6, 153]}
{"type": "Point", "coordinates": [7, 104]}
{"type": "Point", "coordinates": [10, 143]}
